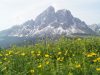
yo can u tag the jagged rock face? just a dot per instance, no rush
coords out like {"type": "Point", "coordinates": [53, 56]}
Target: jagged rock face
{"type": "Point", "coordinates": [51, 23]}
{"type": "Point", "coordinates": [95, 27]}
{"type": "Point", "coordinates": [46, 17]}
{"type": "Point", "coordinates": [64, 16]}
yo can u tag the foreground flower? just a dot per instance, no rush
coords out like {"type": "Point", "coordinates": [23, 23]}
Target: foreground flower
{"type": "Point", "coordinates": [40, 66]}
{"type": "Point", "coordinates": [60, 58]}
{"type": "Point", "coordinates": [91, 54]}
{"type": "Point", "coordinates": [98, 69]}
{"type": "Point", "coordinates": [97, 59]}
{"type": "Point", "coordinates": [10, 52]}
{"type": "Point", "coordinates": [32, 52]}
{"type": "Point", "coordinates": [38, 54]}
{"type": "Point", "coordinates": [32, 71]}
{"type": "Point", "coordinates": [59, 53]}
{"type": "Point", "coordinates": [6, 54]}
{"type": "Point", "coordinates": [78, 66]}
{"type": "Point", "coordinates": [94, 60]}
{"type": "Point", "coordinates": [46, 55]}
{"type": "Point", "coordinates": [47, 62]}
{"type": "Point", "coordinates": [23, 54]}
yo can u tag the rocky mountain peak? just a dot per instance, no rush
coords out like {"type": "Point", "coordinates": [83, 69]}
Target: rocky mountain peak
{"type": "Point", "coordinates": [46, 17]}
{"type": "Point", "coordinates": [64, 12]}
{"type": "Point", "coordinates": [51, 23]}
{"type": "Point", "coordinates": [50, 8]}
{"type": "Point", "coordinates": [64, 16]}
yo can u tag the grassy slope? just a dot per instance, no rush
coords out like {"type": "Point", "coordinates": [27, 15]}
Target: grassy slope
{"type": "Point", "coordinates": [63, 57]}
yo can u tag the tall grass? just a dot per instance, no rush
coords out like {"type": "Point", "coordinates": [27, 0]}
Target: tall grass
{"type": "Point", "coordinates": [66, 56]}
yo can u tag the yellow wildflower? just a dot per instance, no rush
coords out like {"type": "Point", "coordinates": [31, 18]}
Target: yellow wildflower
{"type": "Point", "coordinates": [98, 69]}
{"type": "Point", "coordinates": [91, 54]}
{"type": "Point", "coordinates": [32, 52]}
{"type": "Point", "coordinates": [94, 54]}
{"type": "Point", "coordinates": [7, 54]}
{"type": "Point", "coordinates": [46, 55]}
{"type": "Point", "coordinates": [78, 66]}
{"type": "Point", "coordinates": [23, 54]}
{"type": "Point", "coordinates": [40, 66]}
{"type": "Point", "coordinates": [59, 53]}
{"type": "Point", "coordinates": [10, 52]}
{"type": "Point", "coordinates": [60, 59]}
{"type": "Point", "coordinates": [94, 60]}
{"type": "Point", "coordinates": [32, 71]}
{"type": "Point", "coordinates": [98, 59]}
{"type": "Point", "coordinates": [47, 62]}
{"type": "Point", "coordinates": [50, 56]}
{"type": "Point", "coordinates": [38, 54]}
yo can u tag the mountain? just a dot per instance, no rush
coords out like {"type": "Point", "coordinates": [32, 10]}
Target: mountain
{"type": "Point", "coordinates": [95, 28]}
{"type": "Point", "coordinates": [50, 22]}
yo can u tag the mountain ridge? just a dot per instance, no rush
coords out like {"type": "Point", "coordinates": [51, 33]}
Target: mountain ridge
{"type": "Point", "coordinates": [95, 28]}
{"type": "Point", "coordinates": [50, 22]}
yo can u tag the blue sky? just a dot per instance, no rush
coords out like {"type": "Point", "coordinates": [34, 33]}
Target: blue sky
{"type": "Point", "coordinates": [14, 12]}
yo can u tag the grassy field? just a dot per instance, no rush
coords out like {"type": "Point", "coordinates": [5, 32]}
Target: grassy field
{"type": "Point", "coordinates": [76, 56]}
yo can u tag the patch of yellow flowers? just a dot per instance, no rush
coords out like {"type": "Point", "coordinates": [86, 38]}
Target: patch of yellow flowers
{"type": "Point", "coordinates": [60, 58]}
{"type": "Point", "coordinates": [39, 53]}
{"type": "Point", "coordinates": [47, 55]}
{"type": "Point", "coordinates": [97, 59]}
{"type": "Point", "coordinates": [91, 54]}
{"type": "Point", "coordinates": [98, 69]}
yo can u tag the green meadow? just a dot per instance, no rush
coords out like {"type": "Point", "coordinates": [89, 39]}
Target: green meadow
{"type": "Point", "coordinates": [65, 56]}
